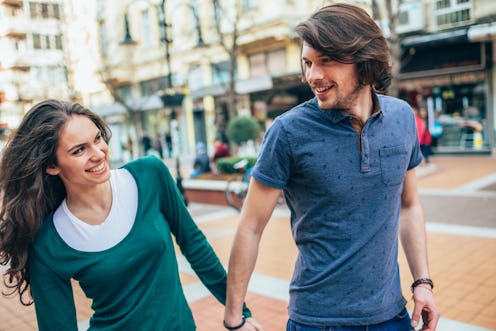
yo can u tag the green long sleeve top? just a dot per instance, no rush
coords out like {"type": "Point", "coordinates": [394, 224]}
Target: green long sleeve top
{"type": "Point", "coordinates": [135, 284]}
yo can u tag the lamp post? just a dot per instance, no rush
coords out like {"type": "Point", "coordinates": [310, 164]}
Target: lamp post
{"type": "Point", "coordinates": [170, 98]}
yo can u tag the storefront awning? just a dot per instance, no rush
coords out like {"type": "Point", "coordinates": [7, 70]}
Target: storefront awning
{"type": "Point", "coordinates": [482, 32]}
{"type": "Point", "coordinates": [435, 38]}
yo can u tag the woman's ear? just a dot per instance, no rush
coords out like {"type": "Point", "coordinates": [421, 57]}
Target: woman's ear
{"type": "Point", "coordinates": [52, 170]}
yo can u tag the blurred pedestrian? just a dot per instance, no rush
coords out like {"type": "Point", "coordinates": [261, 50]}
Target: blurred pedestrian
{"type": "Point", "coordinates": [157, 145]}
{"type": "Point", "coordinates": [423, 132]}
{"type": "Point", "coordinates": [146, 143]}
{"type": "Point", "coordinates": [65, 215]}
{"type": "Point", "coordinates": [168, 144]}
{"type": "Point", "coordinates": [220, 150]}
{"type": "Point", "coordinates": [201, 163]}
{"type": "Point", "coordinates": [346, 162]}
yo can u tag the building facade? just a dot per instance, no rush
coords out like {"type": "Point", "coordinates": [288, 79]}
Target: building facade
{"type": "Point", "coordinates": [33, 57]}
{"type": "Point", "coordinates": [447, 67]}
{"type": "Point", "coordinates": [182, 68]}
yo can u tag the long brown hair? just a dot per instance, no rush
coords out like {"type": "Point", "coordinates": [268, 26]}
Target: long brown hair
{"type": "Point", "coordinates": [28, 193]}
{"type": "Point", "coordinates": [347, 34]}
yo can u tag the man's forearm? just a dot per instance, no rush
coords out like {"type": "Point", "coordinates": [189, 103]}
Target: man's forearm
{"type": "Point", "coordinates": [241, 264]}
{"type": "Point", "coordinates": [414, 241]}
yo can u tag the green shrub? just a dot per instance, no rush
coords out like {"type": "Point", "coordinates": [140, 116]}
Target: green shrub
{"type": "Point", "coordinates": [241, 129]}
{"type": "Point", "coordinates": [226, 164]}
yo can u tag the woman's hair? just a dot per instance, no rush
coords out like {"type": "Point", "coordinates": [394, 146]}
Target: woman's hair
{"type": "Point", "coordinates": [28, 193]}
{"type": "Point", "coordinates": [347, 34]}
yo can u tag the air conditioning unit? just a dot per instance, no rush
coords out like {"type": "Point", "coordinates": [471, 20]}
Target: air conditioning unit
{"type": "Point", "coordinates": [411, 17]}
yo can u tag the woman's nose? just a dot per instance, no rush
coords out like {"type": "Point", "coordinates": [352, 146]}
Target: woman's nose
{"type": "Point", "coordinates": [99, 151]}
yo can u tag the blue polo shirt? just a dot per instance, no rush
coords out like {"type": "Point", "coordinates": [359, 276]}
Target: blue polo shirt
{"type": "Point", "coordinates": [344, 191]}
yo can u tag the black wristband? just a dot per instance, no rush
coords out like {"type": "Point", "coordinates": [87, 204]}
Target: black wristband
{"type": "Point", "coordinates": [419, 281]}
{"type": "Point", "coordinates": [239, 326]}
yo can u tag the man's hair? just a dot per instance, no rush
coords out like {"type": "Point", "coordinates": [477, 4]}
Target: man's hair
{"type": "Point", "coordinates": [347, 34]}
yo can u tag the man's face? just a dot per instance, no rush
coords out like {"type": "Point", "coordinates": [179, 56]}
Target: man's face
{"type": "Point", "coordinates": [334, 83]}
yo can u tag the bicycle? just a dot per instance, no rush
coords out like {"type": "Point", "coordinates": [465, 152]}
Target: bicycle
{"type": "Point", "coordinates": [237, 186]}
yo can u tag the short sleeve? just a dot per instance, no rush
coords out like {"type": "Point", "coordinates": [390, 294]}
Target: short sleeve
{"type": "Point", "coordinates": [274, 161]}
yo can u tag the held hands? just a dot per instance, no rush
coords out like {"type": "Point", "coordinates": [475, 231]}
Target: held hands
{"type": "Point", "coordinates": [425, 307]}
{"type": "Point", "coordinates": [252, 324]}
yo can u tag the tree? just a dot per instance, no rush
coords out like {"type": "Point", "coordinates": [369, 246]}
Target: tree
{"type": "Point", "coordinates": [133, 113]}
{"type": "Point", "coordinates": [394, 41]}
{"type": "Point", "coordinates": [242, 129]}
{"type": "Point", "coordinates": [228, 38]}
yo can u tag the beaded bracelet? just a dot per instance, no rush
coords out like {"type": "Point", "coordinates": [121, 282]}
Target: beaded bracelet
{"type": "Point", "coordinates": [239, 326]}
{"type": "Point", "coordinates": [419, 281]}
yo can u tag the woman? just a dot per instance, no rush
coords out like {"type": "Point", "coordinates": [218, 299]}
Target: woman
{"type": "Point", "coordinates": [65, 215]}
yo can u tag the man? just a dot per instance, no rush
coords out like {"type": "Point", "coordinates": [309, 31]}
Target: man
{"type": "Point", "coordinates": [346, 162]}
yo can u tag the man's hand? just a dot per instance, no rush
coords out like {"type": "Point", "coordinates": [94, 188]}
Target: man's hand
{"type": "Point", "coordinates": [425, 307]}
{"type": "Point", "coordinates": [252, 324]}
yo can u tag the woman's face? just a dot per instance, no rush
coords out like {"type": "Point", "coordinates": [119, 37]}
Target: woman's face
{"type": "Point", "coordinates": [82, 155]}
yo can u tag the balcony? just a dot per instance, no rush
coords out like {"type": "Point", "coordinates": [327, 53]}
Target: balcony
{"type": "Point", "coordinates": [16, 62]}
{"type": "Point", "coordinates": [11, 3]}
{"type": "Point", "coordinates": [14, 27]}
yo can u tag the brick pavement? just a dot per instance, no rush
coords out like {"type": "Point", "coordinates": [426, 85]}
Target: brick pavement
{"type": "Point", "coordinates": [461, 252]}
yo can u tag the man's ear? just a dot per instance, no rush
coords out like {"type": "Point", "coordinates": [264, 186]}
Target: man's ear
{"type": "Point", "coordinates": [52, 170]}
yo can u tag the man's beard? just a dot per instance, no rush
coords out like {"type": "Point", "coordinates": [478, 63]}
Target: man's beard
{"type": "Point", "coordinates": [344, 102]}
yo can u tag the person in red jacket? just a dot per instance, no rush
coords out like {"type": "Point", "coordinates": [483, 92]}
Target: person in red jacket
{"type": "Point", "coordinates": [424, 135]}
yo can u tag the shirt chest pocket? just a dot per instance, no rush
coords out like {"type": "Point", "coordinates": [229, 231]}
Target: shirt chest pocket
{"type": "Point", "coordinates": [394, 163]}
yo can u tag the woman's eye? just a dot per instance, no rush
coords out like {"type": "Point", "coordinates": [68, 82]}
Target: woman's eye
{"type": "Point", "coordinates": [78, 151]}
{"type": "Point", "coordinates": [98, 137]}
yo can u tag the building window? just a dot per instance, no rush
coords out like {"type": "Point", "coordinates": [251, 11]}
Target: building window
{"type": "Point", "coordinates": [452, 12]}
{"type": "Point", "coordinates": [41, 41]}
{"type": "Point", "coordinates": [52, 75]}
{"type": "Point", "coordinates": [125, 92]}
{"type": "Point", "coordinates": [100, 10]}
{"type": "Point", "coordinates": [220, 73]}
{"type": "Point", "coordinates": [248, 5]}
{"type": "Point", "coordinates": [150, 87]}
{"type": "Point", "coordinates": [195, 78]}
{"type": "Point", "coordinates": [44, 10]}
{"type": "Point", "coordinates": [102, 32]}
{"type": "Point", "coordinates": [268, 63]}
{"type": "Point", "coordinates": [146, 32]}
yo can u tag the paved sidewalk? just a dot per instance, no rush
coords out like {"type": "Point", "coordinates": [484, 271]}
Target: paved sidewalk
{"type": "Point", "coordinates": [459, 205]}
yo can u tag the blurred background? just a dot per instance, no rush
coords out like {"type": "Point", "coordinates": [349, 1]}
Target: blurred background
{"type": "Point", "coordinates": [167, 75]}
